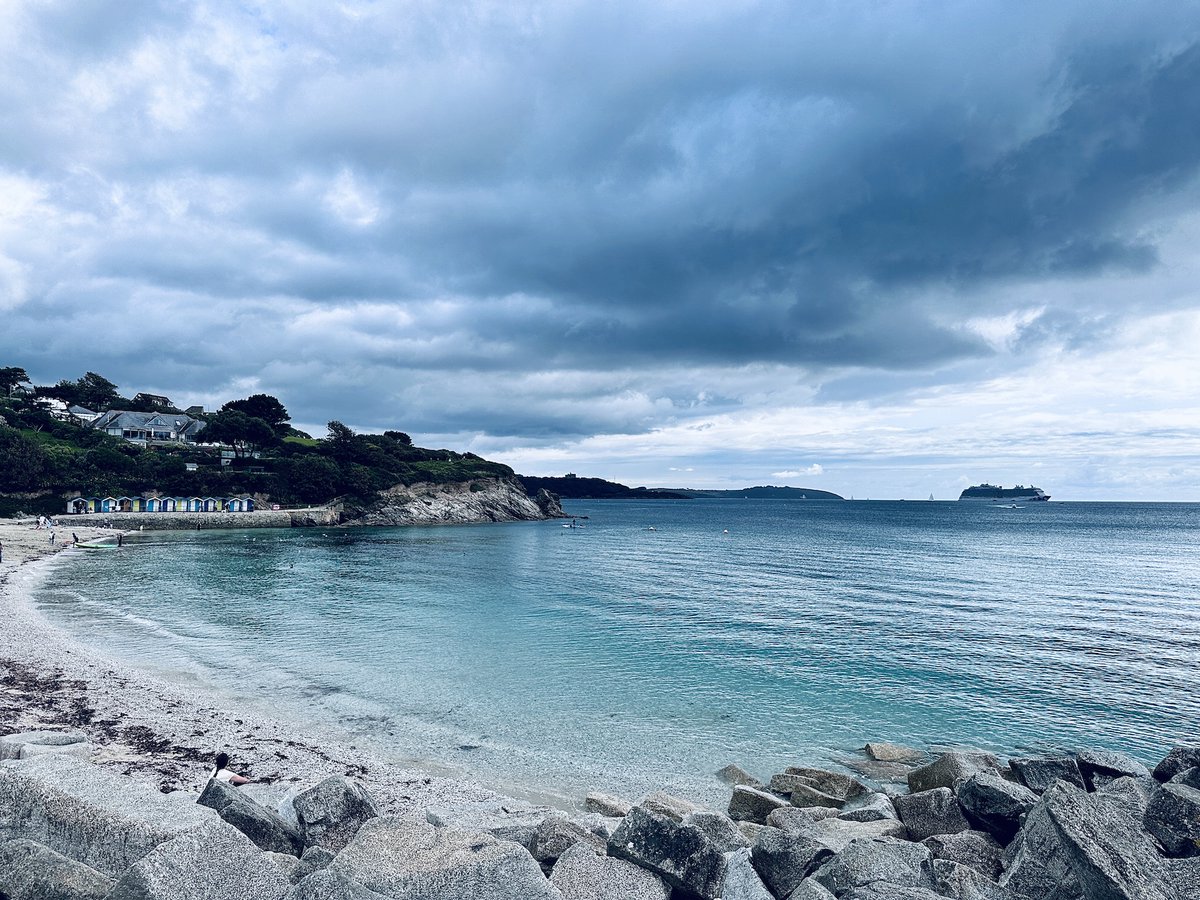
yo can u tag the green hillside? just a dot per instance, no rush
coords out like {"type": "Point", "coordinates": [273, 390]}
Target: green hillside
{"type": "Point", "coordinates": [246, 447]}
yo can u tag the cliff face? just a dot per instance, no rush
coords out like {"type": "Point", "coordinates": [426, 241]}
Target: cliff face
{"type": "Point", "coordinates": [457, 503]}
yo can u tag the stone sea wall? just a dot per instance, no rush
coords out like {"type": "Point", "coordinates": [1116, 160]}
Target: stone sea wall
{"type": "Point", "coordinates": [961, 826]}
{"type": "Point", "coordinates": [175, 521]}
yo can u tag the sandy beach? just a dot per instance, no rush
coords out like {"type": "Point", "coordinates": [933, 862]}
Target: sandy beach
{"type": "Point", "coordinates": [166, 734]}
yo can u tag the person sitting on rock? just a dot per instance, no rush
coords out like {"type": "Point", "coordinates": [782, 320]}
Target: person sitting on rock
{"type": "Point", "coordinates": [222, 773]}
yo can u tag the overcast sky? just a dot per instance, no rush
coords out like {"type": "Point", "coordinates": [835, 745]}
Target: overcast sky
{"type": "Point", "coordinates": [883, 248]}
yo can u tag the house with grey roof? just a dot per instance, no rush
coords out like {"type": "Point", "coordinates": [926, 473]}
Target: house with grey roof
{"type": "Point", "coordinates": [145, 428]}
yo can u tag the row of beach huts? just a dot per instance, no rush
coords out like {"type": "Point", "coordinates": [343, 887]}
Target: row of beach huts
{"type": "Point", "coordinates": [80, 505]}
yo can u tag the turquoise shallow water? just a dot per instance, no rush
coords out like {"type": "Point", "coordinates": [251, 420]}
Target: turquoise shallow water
{"type": "Point", "coordinates": [621, 658]}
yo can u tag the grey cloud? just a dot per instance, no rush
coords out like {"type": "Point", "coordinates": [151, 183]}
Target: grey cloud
{"type": "Point", "coordinates": [585, 188]}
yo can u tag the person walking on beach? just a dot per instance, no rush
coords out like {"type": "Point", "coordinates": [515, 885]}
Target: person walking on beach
{"type": "Point", "coordinates": [221, 772]}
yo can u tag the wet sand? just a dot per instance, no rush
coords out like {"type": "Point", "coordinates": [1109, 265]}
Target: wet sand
{"type": "Point", "coordinates": [164, 733]}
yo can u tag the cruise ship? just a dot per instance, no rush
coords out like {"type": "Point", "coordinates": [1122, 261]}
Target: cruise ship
{"type": "Point", "coordinates": [993, 493]}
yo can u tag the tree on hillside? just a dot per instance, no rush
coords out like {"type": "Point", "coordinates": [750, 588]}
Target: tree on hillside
{"type": "Point", "coordinates": [244, 433]}
{"type": "Point", "coordinates": [22, 461]}
{"type": "Point", "coordinates": [262, 406]}
{"type": "Point", "coordinates": [10, 377]}
{"type": "Point", "coordinates": [340, 442]}
{"type": "Point", "coordinates": [93, 391]}
{"type": "Point", "coordinates": [313, 479]}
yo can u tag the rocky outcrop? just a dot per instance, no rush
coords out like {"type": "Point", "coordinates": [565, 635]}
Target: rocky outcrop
{"type": "Point", "coordinates": [216, 862]}
{"type": "Point", "coordinates": [582, 874]}
{"type": "Point", "coordinates": [682, 855]}
{"type": "Point", "coordinates": [266, 829]}
{"type": "Point", "coordinates": [331, 813]}
{"type": "Point", "coordinates": [395, 858]}
{"type": "Point", "coordinates": [931, 812]}
{"type": "Point", "coordinates": [456, 503]}
{"type": "Point", "coordinates": [72, 831]}
{"type": "Point", "coordinates": [29, 870]}
{"type": "Point", "coordinates": [88, 814]}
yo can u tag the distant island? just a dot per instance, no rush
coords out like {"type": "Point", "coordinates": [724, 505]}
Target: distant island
{"type": "Point", "coordinates": [572, 487]}
{"type": "Point", "coordinates": [764, 492]}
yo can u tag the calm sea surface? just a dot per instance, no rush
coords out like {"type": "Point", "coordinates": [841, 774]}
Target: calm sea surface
{"type": "Point", "coordinates": [613, 656]}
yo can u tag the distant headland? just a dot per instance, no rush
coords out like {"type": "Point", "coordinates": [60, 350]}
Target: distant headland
{"type": "Point", "coordinates": [573, 487]}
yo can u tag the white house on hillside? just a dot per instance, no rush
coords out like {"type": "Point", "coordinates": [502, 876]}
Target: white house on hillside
{"type": "Point", "coordinates": [144, 427]}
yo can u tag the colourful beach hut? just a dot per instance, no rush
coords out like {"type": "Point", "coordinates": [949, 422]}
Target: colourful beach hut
{"type": "Point", "coordinates": [108, 504]}
{"type": "Point", "coordinates": [211, 504]}
{"type": "Point", "coordinates": [169, 504]}
{"type": "Point", "coordinates": [152, 504]}
{"type": "Point", "coordinates": [194, 504]}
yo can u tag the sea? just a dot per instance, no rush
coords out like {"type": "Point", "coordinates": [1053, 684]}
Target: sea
{"type": "Point", "coordinates": [660, 640]}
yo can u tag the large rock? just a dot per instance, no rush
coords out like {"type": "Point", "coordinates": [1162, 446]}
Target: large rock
{"type": "Point", "coordinates": [331, 813]}
{"type": "Point", "coordinates": [556, 834]}
{"type": "Point", "coordinates": [1173, 817]}
{"type": "Point", "coordinates": [752, 805]}
{"type": "Point", "coordinates": [995, 805]}
{"type": "Point", "coordinates": [1039, 772]}
{"type": "Point", "coordinates": [503, 819]}
{"type": "Point", "coordinates": [742, 882]}
{"type": "Point", "coordinates": [1176, 761]}
{"type": "Point", "coordinates": [1185, 877]}
{"type": "Point", "coordinates": [326, 885]}
{"type": "Point", "coordinates": [835, 784]}
{"type": "Point", "coordinates": [794, 818]}
{"type": "Point", "coordinates": [582, 874]}
{"type": "Point", "coordinates": [959, 882]}
{"type": "Point", "coordinates": [416, 861]}
{"type": "Point", "coordinates": [1111, 857]}
{"type": "Point", "coordinates": [606, 804]}
{"type": "Point", "coordinates": [881, 890]}
{"type": "Point", "coordinates": [882, 751]}
{"type": "Point", "coordinates": [1036, 863]}
{"type": "Point", "coordinates": [1099, 767]}
{"type": "Point", "coordinates": [811, 889]}
{"type": "Point", "coordinates": [664, 804]}
{"type": "Point", "coordinates": [88, 814]}
{"type": "Point", "coordinates": [948, 769]}
{"type": "Point", "coordinates": [25, 744]}
{"type": "Point", "coordinates": [927, 813]}
{"type": "Point", "coordinates": [976, 849]}
{"type": "Point", "coordinates": [784, 860]}
{"type": "Point", "coordinates": [803, 795]}
{"type": "Point", "coordinates": [721, 830]}
{"type": "Point", "coordinates": [314, 860]}
{"type": "Point", "coordinates": [869, 808]}
{"type": "Point", "coordinates": [279, 798]}
{"type": "Point", "coordinates": [264, 827]}
{"type": "Point", "coordinates": [1132, 794]}
{"type": "Point", "coordinates": [838, 833]}
{"type": "Point", "coordinates": [865, 861]}
{"type": "Point", "coordinates": [681, 854]}
{"type": "Point", "coordinates": [735, 775]}
{"type": "Point", "coordinates": [216, 862]}
{"type": "Point", "coordinates": [29, 871]}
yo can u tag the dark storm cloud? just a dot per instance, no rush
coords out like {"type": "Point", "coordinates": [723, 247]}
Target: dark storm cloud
{"type": "Point", "coordinates": [437, 199]}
